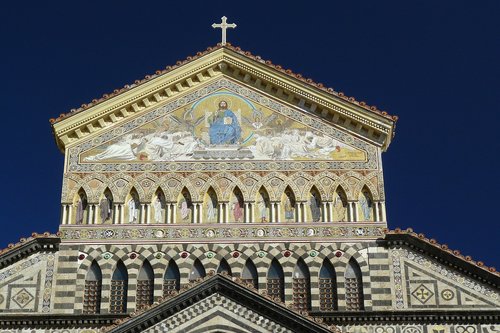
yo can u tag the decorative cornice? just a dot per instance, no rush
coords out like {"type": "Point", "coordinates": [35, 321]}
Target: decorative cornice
{"type": "Point", "coordinates": [442, 253]}
{"type": "Point", "coordinates": [154, 90]}
{"type": "Point", "coordinates": [26, 246]}
{"type": "Point", "coordinates": [57, 320]}
{"type": "Point", "coordinates": [198, 55]}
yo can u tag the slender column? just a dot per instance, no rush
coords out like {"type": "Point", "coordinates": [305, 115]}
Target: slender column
{"type": "Point", "coordinates": [142, 215]}
{"type": "Point", "coordinates": [194, 219]}
{"type": "Point", "coordinates": [70, 217]}
{"type": "Point", "coordinates": [278, 212]}
{"type": "Point", "coordinates": [64, 214]}
{"type": "Point", "coordinates": [271, 213]}
{"type": "Point", "coordinates": [122, 215]}
{"type": "Point", "coordinates": [252, 212]}
{"type": "Point", "coordinates": [376, 218]}
{"type": "Point", "coordinates": [325, 212]}
{"type": "Point", "coordinates": [384, 216]}
{"type": "Point", "coordinates": [330, 210]}
{"type": "Point", "coordinates": [200, 213]}
{"type": "Point", "coordinates": [148, 213]}
{"type": "Point", "coordinates": [220, 212]}
{"type": "Point", "coordinates": [226, 211]}
{"type": "Point", "coordinates": [299, 211]}
{"type": "Point", "coordinates": [247, 213]}
{"type": "Point", "coordinates": [168, 211]}
{"type": "Point", "coordinates": [174, 213]}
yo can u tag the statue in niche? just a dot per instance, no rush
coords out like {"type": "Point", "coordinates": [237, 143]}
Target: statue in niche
{"type": "Point", "coordinates": [262, 206]}
{"type": "Point", "coordinates": [185, 210]}
{"type": "Point", "coordinates": [366, 205]}
{"type": "Point", "coordinates": [237, 208]}
{"type": "Point", "coordinates": [105, 207]}
{"type": "Point", "coordinates": [80, 209]}
{"type": "Point", "coordinates": [211, 208]}
{"type": "Point", "coordinates": [158, 209]}
{"type": "Point", "coordinates": [224, 126]}
{"type": "Point", "coordinates": [133, 209]}
{"type": "Point", "coordinates": [314, 204]}
{"type": "Point", "coordinates": [289, 210]}
{"type": "Point", "coordinates": [338, 208]}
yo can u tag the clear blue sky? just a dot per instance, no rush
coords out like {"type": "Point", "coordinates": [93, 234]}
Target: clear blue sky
{"type": "Point", "coordinates": [435, 64]}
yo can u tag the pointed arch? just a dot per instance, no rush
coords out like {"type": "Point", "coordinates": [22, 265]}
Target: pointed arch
{"type": "Point", "coordinates": [81, 205]}
{"type": "Point", "coordinates": [133, 205]}
{"type": "Point", "coordinates": [276, 281]}
{"type": "Point", "coordinates": [328, 300]}
{"type": "Point", "coordinates": [365, 205]}
{"type": "Point", "coordinates": [237, 206]}
{"type": "Point", "coordinates": [159, 204]}
{"type": "Point", "coordinates": [92, 291]}
{"type": "Point", "coordinates": [106, 211]}
{"type": "Point", "coordinates": [249, 274]}
{"type": "Point", "coordinates": [353, 287]}
{"type": "Point", "coordinates": [301, 286]}
{"type": "Point", "coordinates": [184, 207]}
{"type": "Point", "coordinates": [171, 279]}
{"type": "Point", "coordinates": [263, 205]}
{"type": "Point", "coordinates": [198, 271]}
{"type": "Point", "coordinates": [119, 288]}
{"type": "Point", "coordinates": [288, 204]}
{"type": "Point", "coordinates": [211, 206]}
{"type": "Point", "coordinates": [224, 268]}
{"type": "Point", "coordinates": [145, 286]}
{"type": "Point", "coordinates": [314, 202]}
{"type": "Point", "coordinates": [339, 203]}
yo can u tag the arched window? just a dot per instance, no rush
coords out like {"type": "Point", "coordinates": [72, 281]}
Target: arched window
{"type": "Point", "coordinates": [198, 270]}
{"type": "Point", "coordinates": [224, 267]}
{"type": "Point", "coordinates": [92, 292]}
{"type": "Point", "coordinates": [353, 287]}
{"type": "Point", "coordinates": [249, 274]}
{"type": "Point", "coordinates": [119, 287]}
{"type": "Point", "coordinates": [288, 204]}
{"type": "Point", "coordinates": [327, 287]}
{"type": "Point", "coordinates": [275, 281]}
{"type": "Point", "coordinates": [301, 286]}
{"type": "Point", "coordinates": [172, 279]}
{"type": "Point", "coordinates": [145, 286]}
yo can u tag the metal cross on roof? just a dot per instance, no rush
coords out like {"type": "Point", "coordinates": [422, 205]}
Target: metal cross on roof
{"type": "Point", "coordinates": [224, 25]}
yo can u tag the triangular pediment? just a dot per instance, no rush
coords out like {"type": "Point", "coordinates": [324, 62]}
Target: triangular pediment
{"type": "Point", "coordinates": [218, 65]}
{"type": "Point", "coordinates": [218, 304]}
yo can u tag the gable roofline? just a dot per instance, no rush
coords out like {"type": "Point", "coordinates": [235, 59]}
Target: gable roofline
{"type": "Point", "coordinates": [443, 254]}
{"type": "Point", "coordinates": [238, 50]}
{"type": "Point", "coordinates": [356, 117]}
{"type": "Point", "coordinates": [231, 288]}
{"type": "Point", "coordinates": [27, 246]}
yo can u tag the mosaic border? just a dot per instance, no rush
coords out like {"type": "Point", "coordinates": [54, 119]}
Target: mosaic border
{"type": "Point", "coordinates": [74, 165]}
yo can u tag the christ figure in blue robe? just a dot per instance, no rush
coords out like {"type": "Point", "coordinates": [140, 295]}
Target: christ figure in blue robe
{"type": "Point", "coordinates": [224, 126]}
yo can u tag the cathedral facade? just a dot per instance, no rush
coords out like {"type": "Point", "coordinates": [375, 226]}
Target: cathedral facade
{"type": "Point", "coordinates": [228, 194]}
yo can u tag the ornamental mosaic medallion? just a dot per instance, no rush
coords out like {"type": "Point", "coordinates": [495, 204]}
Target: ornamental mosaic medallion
{"type": "Point", "coordinates": [222, 122]}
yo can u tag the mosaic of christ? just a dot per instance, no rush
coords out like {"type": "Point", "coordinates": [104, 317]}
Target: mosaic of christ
{"type": "Point", "coordinates": [223, 125]}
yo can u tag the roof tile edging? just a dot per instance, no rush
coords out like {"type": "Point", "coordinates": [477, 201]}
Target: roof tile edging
{"type": "Point", "coordinates": [248, 54]}
{"type": "Point", "coordinates": [443, 247]}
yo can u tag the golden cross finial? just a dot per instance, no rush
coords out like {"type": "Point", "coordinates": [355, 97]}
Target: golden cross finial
{"type": "Point", "coordinates": [224, 25]}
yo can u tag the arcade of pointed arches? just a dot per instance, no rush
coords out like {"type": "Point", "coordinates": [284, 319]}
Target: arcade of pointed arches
{"type": "Point", "coordinates": [123, 199]}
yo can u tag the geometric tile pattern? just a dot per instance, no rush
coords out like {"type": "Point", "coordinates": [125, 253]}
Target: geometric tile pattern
{"type": "Point", "coordinates": [240, 314]}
